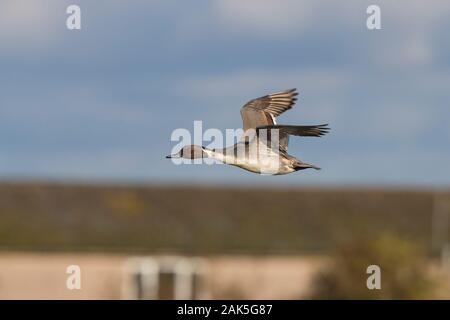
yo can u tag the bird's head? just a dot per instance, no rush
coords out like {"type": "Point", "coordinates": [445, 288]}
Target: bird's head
{"type": "Point", "coordinates": [190, 152]}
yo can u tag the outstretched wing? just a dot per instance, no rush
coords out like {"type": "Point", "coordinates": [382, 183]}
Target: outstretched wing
{"type": "Point", "coordinates": [303, 131]}
{"type": "Point", "coordinates": [284, 131]}
{"type": "Point", "coordinates": [263, 111]}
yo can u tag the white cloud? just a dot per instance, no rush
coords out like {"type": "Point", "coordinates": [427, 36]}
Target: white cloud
{"type": "Point", "coordinates": [28, 25]}
{"type": "Point", "coordinates": [411, 51]}
{"type": "Point", "coordinates": [407, 32]}
{"type": "Point", "coordinates": [397, 123]}
{"type": "Point", "coordinates": [416, 13]}
{"type": "Point", "coordinates": [224, 94]}
{"type": "Point", "coordinates": [277, 16]}
{"type": "Point", "coordinates": [405, 40]}
{"type": "Point", "coordinates": [265, 16]}
{"type": "Point", "coordinates": [393, 119]}
{"type": "Point", "coordinates": [254, 81]}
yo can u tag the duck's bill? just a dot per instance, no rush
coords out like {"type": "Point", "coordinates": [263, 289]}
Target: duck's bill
{"type": "Point", "coordinates": [173, 156]}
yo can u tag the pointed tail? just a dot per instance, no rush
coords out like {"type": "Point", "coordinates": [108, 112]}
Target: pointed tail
{"type": "Point", "coordinates": [302, 166]}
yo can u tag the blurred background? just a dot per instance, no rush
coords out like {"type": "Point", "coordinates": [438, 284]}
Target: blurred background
{"type": "Point", "coordinates": [86, 118]}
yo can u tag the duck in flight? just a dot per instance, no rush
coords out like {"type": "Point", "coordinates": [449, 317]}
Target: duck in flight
{"type": "Point", "coordinates": [263, 148]}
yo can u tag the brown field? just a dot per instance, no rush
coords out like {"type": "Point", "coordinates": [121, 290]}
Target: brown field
{"type": "Point", "coordinates": [205, 220]}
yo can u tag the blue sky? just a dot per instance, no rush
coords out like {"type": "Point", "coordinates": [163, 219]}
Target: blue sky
{"type": "Point", "coordinates": [101, 103]}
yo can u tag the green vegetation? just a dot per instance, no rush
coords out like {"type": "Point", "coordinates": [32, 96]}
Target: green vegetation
{"type": "Point", "coordinates": [404, 271]}
{"type": "Point", "coordinates": [204, 220]}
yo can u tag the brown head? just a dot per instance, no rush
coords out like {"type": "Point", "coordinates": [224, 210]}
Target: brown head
{"type": "Point", "coordinates": [190, 152]}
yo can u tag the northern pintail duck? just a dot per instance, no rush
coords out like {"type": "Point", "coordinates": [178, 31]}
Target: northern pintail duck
{"type": "Point", "coordinates": [263, 148]}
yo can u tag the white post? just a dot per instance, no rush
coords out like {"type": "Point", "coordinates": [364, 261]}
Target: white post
{"type": "Point", "coordinates": [184, 274]}
{"type": "Point", "coordinates": [439, 228]}
{"type": "Point", "coordinates": [148, 269]}
{"type": "Point", "coordinates": [150, 279]}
